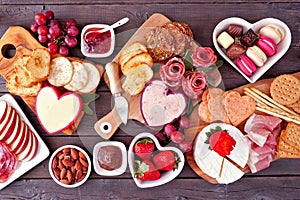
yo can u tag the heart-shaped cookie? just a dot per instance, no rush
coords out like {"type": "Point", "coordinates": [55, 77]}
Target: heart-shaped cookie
{"type": "Point", "coordinates": [283, 46]}
{"type": "Point", "coordinates": [166, 176]}
{"type": "Point", "coordinates": [56, 112]}
{"type": "Point", "coordinates": [238, 108]}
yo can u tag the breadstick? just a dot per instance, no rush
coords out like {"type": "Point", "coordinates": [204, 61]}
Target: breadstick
{"type": "Point", "coordinates": [277, 115]}
{"type": "Point", "coordinates": [280, 112]}
{"type": "Point", "coordinates": [257, 91]}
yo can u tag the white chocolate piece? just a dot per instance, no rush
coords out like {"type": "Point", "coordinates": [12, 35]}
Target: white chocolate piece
{"type": "Point", "coordinates": [225, 40]}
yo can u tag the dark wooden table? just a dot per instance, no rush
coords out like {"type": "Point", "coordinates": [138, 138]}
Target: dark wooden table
{"type": "Point", "coordinates": [280, 181]}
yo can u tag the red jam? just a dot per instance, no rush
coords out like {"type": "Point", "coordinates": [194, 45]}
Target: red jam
{"type": "Point", "coordinates": [97, 43]}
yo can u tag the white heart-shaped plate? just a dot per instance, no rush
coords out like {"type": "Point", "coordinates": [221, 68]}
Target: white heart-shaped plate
{"type": "Point", "coordinates": [283, 46]}
{"type": "Point", "coordinates": [166, 176]}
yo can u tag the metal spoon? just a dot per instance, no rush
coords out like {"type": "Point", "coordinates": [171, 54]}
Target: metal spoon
{"type": "Point", "coordinates": [115, 25]}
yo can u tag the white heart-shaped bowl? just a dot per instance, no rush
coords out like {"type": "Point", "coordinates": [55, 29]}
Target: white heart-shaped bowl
{"type": "Point", "coordinates": [283, 46]}
{"type": "Point", "coordinates": [166, 176]}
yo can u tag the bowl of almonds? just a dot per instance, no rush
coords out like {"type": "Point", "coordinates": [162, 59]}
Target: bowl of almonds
{"type": "Point", "coordinates": [70, 166]}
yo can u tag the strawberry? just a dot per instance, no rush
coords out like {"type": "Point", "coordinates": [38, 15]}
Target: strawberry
{"type": "Point", "coordinates": [144, 148]}
{"type": "Point", "coordinates": [146, 171]}
{"type": "Point", "coordinates": [166, 160]}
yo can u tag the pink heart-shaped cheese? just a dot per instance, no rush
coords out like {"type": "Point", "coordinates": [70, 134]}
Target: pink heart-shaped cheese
{"type": "Point", "coordinates": [56, 112]}
{"type": "Point", "coordinates": [166, 176]}
{"type": "Point", "coordinates": [283, 46]}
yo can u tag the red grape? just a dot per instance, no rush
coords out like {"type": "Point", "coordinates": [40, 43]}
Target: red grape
{"type": "Point", "coordinates": [71, 22]}
{"type": "Point", "coordinates": [168, 129]}
{"type": "Point", "coordinates": [177, 136]}
{"type": "Point", "coordinates": [49, 14]}
{"type": "Point", "coordinates": [42, 38]}
{"type": "Point", "coordinates": [50, 37]}
{"type": "Point", "coordinates": [185, 146]}
{"type": "Point", "coordinates": [53, 48]}
{"type": "Point", "coordinates": [63, 50]}
{"type": "Point", "coordinates": [70, 41]}
{"type": "Point", "coordinates": [53, 22]}
{"type": "Point", "coordinates": [55, 30]}
{"type": "Point", "coordinates": [42, 30]}
{"type": "Point", "coordinates": [72, 31]}
{"type": "Point", "coordinates": [34, 27]}
{"type": "Point", "coordinates": [40, 19]}
{"type": "Point", "coordinates": [184, 123]}
{"type": "Point", "coordinates": [49, 43]}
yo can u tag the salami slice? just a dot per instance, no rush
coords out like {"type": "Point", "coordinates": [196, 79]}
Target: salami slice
{"type": "Point", "coordinates": [10, 164]}
{"type": "Point", "coordinates": [2, 156]}
{"type": "Point", "coordinates": [194, 84]}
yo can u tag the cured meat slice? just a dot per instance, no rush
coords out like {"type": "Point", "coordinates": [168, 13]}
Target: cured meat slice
{"type": "Point", "coordinates": [10, 164]}
{"type": "Point", "coordinates": [260, 165]}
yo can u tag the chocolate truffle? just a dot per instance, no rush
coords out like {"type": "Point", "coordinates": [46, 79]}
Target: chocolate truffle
{"type": "Point", "coordinates": [249, 38]}
{"type": "Point", "coordinates": [235, 30]}
{"type": "Point", "coordinates": [225, 40]}
{"type": "Point", "coordinates": [234, 51]}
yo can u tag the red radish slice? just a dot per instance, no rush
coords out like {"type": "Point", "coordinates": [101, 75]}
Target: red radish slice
{"type": "Point", "coordinates": [15, 132]}
{"type": "Point", "coordinates": [25, 141]}
{"type": "Point", "coordinates": [33, 150]}
{"type": "Point", "coordinates": [3, 109]}
{"type": "Point", "coordinates": [27, 149]}
{"type": "Point", "coordinates": [18, 141]}
{"type": "Point", "coordinates": [5, 121]}
{"type": "Point", "coordinates": [8, 129]}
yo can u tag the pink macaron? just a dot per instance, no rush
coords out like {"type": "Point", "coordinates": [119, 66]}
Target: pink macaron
{"type": "Point", "coordinates": [246, 65]}
{"type": "Point", "coordinates": [268, 45]}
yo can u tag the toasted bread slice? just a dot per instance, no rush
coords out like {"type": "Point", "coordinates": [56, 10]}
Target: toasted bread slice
{"type": "Point", "coordinates": [130, 51]}
{"type": "Point", "coordinates": [137, 78]}
{"type": "Point", "coordinates": [93, 78]}
{"type": "Point", "coordinates": [61, 71]}
{"type": "Point", "coordinates": [39, 64]}
{"type": "Point", "coordinates": [135, 61]}
{"type": "Point", "coordinates": [79, 78]}
{"type": "Point", "coordinates": [23, 76]}
{"type": "Point", "coordinates": [17, 89]}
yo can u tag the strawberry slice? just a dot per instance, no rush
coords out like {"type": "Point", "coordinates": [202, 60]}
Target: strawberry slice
{"type": "Point", "coordinates": [222, 143]}
{"type": "Point", "coordinates": [146, 171]}
{"type": "Point", "coordinates": [166, 160]}
{"type": "Point", "coordinates": [144, 148]}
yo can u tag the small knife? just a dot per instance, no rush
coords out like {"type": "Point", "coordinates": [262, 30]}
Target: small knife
{"type": "Point", "coordinates": [121, 104]}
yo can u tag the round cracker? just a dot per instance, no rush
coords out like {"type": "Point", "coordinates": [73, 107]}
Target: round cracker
{"type": "Point", "coordinates": [61, 71]}
{"type": "Point", "coordinates": [285, 89]}
{"type": "Point", "coordinates": [79, 78]}
{"type": "Point", "coordinates": [94, 78]}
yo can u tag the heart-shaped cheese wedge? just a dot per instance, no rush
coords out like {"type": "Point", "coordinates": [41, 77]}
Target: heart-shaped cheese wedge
{"type": "Point", "coordinates": [159, 105]}
{"type": "Point", "coordinates": [56, 112]}
{"type": "Point", "coordinates": [238, 108]}
{"type": "Point", "coordinates": [283, 46]}
{"type": "Point", "coordinates": [166, 176]}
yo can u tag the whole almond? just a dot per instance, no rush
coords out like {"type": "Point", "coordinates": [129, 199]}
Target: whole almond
{"type": "Point", "coordinates": [66, 150]}
{"type": "Point", "coordinates": [78, 166]}
{"type": "Point", "coordinates": [60, 165]}
{"type": "Point", "coordinates": [73, 170]}
{"type": "Point", "coordinates": [56, 173]}
{"type": "Point", "coordinates": [59, 154]}
{"type": "Point", "coordinates": [81, 155]}
{"type": "Point", "coordinates": [65, 181]}
{"type": "Point", "coordinates": [81, 178]}
{"type": "Point", "coordinates": [54, 163]}
{"type": "Point", "coordinates": [69, 176]}
{"type": "Point", "coordinates": [83, 162]}
{"type": "Point", "coordinates": [62, 156]}
{"type": "Point", "coordinates": [74, 154]}
{"type": "Point", "coordinates": [67, 157]}
{"type": "Point", "coordinates": [84, 169]}
{"type": "Point", "coordinates": [78, 174]}
{"type": "Point", "coordinates": [63, 173]}
{"type": "Point", "coordinates": [67, 163]}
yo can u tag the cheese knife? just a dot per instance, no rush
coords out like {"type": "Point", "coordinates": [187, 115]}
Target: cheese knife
{"type": "Point", "coordinates": [121, 104]}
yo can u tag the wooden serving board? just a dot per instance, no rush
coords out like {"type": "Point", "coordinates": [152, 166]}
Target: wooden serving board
{"type": "Point", "coordinates": [198, 125]}
{"type": "Point", "coordinates": [24, 43]}
{"type": "Point", "coordinates": [134, 112]}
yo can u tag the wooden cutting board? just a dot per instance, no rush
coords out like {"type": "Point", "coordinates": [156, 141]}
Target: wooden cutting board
{"type": "Point", "coordinates": [24, 43]}
{"type": "Point", "coordinates": [198, 125]}
{"type": "Point", "coordinates": [134, 112]}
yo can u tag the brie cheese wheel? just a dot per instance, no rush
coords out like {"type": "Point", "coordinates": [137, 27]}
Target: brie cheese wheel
{"type": "Point", "coordinates": [224, 169]}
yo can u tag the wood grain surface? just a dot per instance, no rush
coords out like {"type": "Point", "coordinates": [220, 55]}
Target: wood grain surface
{"type": "Point", "coordinates": [280, 181]}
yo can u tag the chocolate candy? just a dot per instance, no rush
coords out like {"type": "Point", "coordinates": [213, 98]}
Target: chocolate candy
{"type": "Point", "coordinates": [234, 51]}
{"type": "Point", "coordinates": [225, 40]}
{"type": "Point", "coordinates": [249, 38]}
{"type": "Point", "coordinates": [235, 30]}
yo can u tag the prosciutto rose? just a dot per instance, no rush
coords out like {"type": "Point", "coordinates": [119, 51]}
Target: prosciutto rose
{"type": "Point", "coordinates": [172, 72]}
{"type": "Point", "coordinates": [194, 84]}
{"type": "Point", "coordinates": [203, 57]}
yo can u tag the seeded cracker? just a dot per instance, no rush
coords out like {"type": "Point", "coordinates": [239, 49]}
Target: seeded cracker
{"type": "Point", "coordinates": [285, 89]}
